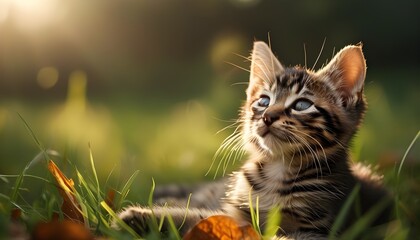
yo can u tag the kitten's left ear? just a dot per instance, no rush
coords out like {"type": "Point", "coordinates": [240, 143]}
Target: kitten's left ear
{"type": "Point", "coordinates": [346, 72]}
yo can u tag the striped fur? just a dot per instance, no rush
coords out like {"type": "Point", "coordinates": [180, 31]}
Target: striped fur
{"type": "Point", "coordinates": [296, 126]}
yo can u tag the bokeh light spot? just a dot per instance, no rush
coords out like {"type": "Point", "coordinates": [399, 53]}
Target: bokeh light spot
{"type": "Point", "coordinates": [224, 49]}
{"type": "Point", "coordinates": [47, 77]}
{"type": "Point", "coordinates": [76, 98]}
{"type": "Point", "coordinates": [245, 3]}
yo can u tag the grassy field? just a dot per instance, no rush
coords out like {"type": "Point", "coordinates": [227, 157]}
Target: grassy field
{"type": "Point", "coordinates": [174, 140]}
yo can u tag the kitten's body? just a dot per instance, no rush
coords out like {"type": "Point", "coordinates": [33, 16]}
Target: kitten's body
{"type": "Point", "coordinates": [296, 127]}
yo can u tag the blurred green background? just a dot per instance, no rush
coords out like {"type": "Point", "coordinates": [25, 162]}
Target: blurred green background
{"type": "Point", "coordinates": [149, 84]}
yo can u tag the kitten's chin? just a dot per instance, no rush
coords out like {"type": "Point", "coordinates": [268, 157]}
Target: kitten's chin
{"type": "Point", "coordinates": [274, 146]}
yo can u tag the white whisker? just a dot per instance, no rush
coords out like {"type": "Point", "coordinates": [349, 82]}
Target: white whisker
{"type": "Point", "coordinates": [319, 55]}
{"type": "Point", "coordinates": [237, 66]}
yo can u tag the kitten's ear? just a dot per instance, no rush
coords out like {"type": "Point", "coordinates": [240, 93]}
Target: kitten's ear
{"type": "Point", "coordinates": [346, 72]}
{"type": "Point", "coordinates": [264, 66]}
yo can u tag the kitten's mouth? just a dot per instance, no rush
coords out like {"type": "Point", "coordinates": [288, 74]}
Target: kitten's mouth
{"type": "Point", "coordinates": [265, 132]}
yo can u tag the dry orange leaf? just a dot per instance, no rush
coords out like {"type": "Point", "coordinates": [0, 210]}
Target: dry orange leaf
{"type": "Point", "coordinates": [222, 227]}
{"type": "Point", "coordinates": [70, 205]}
{"type": "Point", "coordinates": [110, 197]}
{"type": "Point", "coordinates": [65, 230]}
{"type": "Point", "coordinates": [16, 214]}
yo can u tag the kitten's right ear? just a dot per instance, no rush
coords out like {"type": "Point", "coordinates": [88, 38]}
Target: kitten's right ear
{"type": "Point", "coordinates": [264, 66]}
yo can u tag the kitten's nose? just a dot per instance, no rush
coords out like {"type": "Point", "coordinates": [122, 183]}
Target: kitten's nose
{"type": "Point", "coordinates": [270, 117]}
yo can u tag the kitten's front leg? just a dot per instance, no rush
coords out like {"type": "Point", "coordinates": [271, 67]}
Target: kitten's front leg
{"type": "Point", "coordinates": [140, 218]}
{"type": "Point", "coordinates": [301, 236]}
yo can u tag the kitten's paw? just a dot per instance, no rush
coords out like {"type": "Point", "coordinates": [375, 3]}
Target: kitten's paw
{"type": "Point", "coordinates": [301, 236]}
{"type": "Point", "coordinates": [138, 218]}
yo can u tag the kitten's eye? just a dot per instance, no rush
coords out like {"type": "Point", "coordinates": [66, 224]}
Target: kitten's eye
{"type": "Point", "coordinates": [264, 101]}
{"type": "Point", "coordinates": [302, 104]}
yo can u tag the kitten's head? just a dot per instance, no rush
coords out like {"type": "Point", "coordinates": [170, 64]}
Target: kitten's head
{"type": "Point", "coordinates": [296, 111]}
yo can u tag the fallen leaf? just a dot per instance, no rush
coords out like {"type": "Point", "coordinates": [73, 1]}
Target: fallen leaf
{"type": "Point", "coordinates": [110, 197]}
{"type": "Point", "coordinates": [222, 227]}
{"type": "Point", "coordinates": [64, 230]}
{"type": "Point", "coordinates": [15, 214]}
{"type": "Point", "coordinates": [70, 206]}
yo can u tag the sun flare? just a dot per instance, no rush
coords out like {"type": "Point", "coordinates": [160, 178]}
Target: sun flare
{"type": "Point", "coordinates": [29, 14]}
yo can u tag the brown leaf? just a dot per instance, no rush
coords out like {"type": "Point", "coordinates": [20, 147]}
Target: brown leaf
{"type": "Point", "coordinates": [70, 207]}
{"type": "Point", "coordinates": [15, 214]}
{"type": "Point", "coordinates": [222, 227]}
{"type": "Point", "coordinates": [110, 198]}
{"type": "Point", "coordinates": [65, 230]}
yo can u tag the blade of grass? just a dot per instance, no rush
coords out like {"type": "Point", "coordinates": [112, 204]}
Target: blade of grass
{"type": "Point", "coordinates": [273, 223]}
{"type": "Point", "coordinates": [152, 190]}
{"type": "Point", "coordinates": [255, 221]}
{"type": "Point", "coordinates": [98, 191]}
{"type": "Point", "coordinates": [26, 176]}
{"type": "Point", "coordinates": [186, 212]}
{"type": "Point", "coordinates": [33, 211]}
{"type": "Point", "coordinates": [339, 221]}
{"type": "Point", "coordinates": [162, 218]}
{"type": "Point", "coordinates": [173, 228]}
{"type": "Point", "coordinates": [397, 196]}
{"type": "Point", "coordinates": [120, 222]}
{"type": "Point", "coordinates": [154, 222]}
{"type": "Point", "coordinates": [257, 213]}
{"type": "Point", "coordinates": [19, 180]}
{"type": "Point", "coordinates": [109, 176]}
{"type": "Point", "coordinates": [401, 233]}
{"type": "Point", "coordinates": [88, 201]}
{"type": "Point", "coordinates": [126, 189]}
{"type": "Point", "coordinates": [406, 153]}
{"type": "Point", "coordinates": [31, 132]}
{"type": "Point", "coordinates": [356, 229]}
{"type": "Point", "coordinates": [89, 196]}
{"type": "Point", "coordinates": [92, 164]}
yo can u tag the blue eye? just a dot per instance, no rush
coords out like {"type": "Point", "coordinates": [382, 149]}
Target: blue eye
{"type": "Point", "coordinates": [302, 104]}
{"type": "Point", "coordinates": [264, 101]}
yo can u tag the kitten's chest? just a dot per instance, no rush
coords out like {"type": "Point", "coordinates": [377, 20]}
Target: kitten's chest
{"type": "Point", "coordinates": [262, 181]}
{"type": "Point", "coordinates": [274, 184]}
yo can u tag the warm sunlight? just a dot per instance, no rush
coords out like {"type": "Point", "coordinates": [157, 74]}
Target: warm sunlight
{"type": "Point", "coordinates": [252, 110]}
{"type": "Point", "coordinates": [29, 14]}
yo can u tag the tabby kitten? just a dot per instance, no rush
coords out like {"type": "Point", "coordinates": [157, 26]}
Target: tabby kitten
{"type": "Point", "coordinates": [296, 129]}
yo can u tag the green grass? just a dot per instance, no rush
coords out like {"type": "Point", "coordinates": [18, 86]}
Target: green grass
{"type": "Point", "coordinates": [122, 144]}
{"type": "Point", "coordinates": [98, 215]}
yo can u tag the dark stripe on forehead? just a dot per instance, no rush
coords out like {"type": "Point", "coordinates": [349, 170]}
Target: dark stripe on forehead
{"type": "Point", "coordinates": [282, 81]}
{"type": "Point", "coordinates": [300, 86]}
{"type": "Point", "coordinates": [291, 77]}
